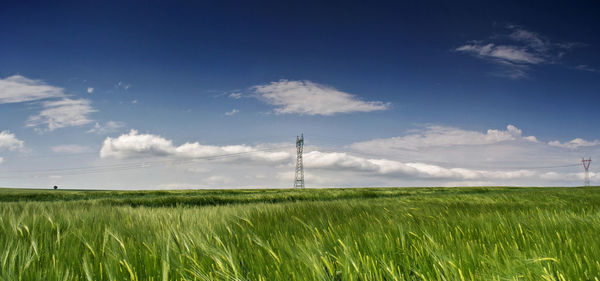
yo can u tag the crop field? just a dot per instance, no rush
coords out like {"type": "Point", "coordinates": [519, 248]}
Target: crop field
{"type": "Point", "coordinates": [479, 233]}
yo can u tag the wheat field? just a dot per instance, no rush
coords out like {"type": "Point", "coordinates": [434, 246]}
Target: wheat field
{"type": "Point", "coordinates": [477, 233]}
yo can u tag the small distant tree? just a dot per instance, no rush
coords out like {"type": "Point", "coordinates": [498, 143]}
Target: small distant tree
{"type": "Point", "coordinates": [55, 187]}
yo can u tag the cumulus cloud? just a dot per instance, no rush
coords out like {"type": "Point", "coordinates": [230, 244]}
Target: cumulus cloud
{"type": "Point", "coordinates": [518, 51]}
{"type": "Point", "coordinates": [8, 141]}
{"type": "Point", "coordinates": [70, 149]}
{"type": "Point", "coordinates": [62, 113]}
{"type": "Point", "coordinates": [444, 137]}
{"type": "Point", "coordinates": [305, 97]}
{"type": "Point", "coordinates": [106, 128]}
{"type": "Point", "coordinates": [575, 143]}
{"type": "Point", "coordinates": [232, 112]}
{"type": "Point", "coordinates": [134, 144]}
{"type": "Point", "coordinates": [16, 88]}
{"type": "Point", "coordinates": [439, 156]}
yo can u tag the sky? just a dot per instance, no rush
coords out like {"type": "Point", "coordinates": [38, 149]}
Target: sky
{"type": "Point", "coordinates": [212, 94]}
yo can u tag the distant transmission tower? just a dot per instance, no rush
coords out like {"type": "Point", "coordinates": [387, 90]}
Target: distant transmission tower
{"type": "Point", "coordinates": [299, 181]}
{"type": "Point", "coordinates": [586, 166]}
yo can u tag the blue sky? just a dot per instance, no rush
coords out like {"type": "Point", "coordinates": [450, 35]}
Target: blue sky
{"type": "Point", "coordinates": [446, 93]}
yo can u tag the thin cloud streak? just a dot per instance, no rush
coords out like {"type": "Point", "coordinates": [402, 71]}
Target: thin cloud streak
{"type": "Point", "coordinates": [517, 52]}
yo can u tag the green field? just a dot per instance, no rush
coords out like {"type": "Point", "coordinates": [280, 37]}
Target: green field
{"type": "Point", "coordinates": [494, 233]}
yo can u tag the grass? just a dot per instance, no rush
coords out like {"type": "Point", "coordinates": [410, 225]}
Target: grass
{"type": "Point", "coordinates": [494, 233]}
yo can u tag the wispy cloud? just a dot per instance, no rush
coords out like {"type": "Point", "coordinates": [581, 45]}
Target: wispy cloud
{"type": "Point", "coordinates": [58, 109]}
{"type": "Point", "coordinates": [123, 85]}
{"type": "Point", "coordinates": [575, 143]}
{"type": "Point", "coordinates": [441, 136]}
{"type": "Point", "coordinates": [70, 149]}
{"type": "Point", "coordinates": [305, 97]}
{"type": "Point", "coordinates": [477, 150]}
{"type": "Point", "coordinates": [511, 54]}
{"type": "Point", "coordinates": [62, 113]}
{"type": "Point", "coordinates": [236, 96]}
{"type": "Point", "coordinates": [344, 161]}
{"type": "Point", "coordinates": [585, 67]}
{"type": "Point", "coordinates": [232, 112]}
{"type": "Point", "coordinates": [16, 88]}
{"type": "Point", "coordinates": [517, 51]}
{"type": "Point", "coordinates": [106, 128]}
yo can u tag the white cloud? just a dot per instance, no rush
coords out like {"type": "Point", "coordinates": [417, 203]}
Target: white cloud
{"type": "Point", "coordinates": [57, 113]}
{"type": "Point", "coordinates": [62, 113]}
{"type": "Point", "coordinates": [90, 90]}
{"type": "Point", "coordinates": [16, 88]}
{"type": "Point", "coordinates": [232, 112]}
{"type": "Point", "coordinates": [344, 161]}
{"type": "Point", "coordinates": [575, 143]}
{"type": "Point", "coordinates": [486, 157]}
{"type": "Point", "coordinates": [479, 151]}
{"type": "Point", "coordinates": [108, 127]}
{"type": "Point", "coordinates": [510, 54]}
{"type": "Point", "coordinates": [444, 137]}
{"type": "Point", "coordinates": [8, 141]}
{"type": "Point", "coordinates": [1, 160]}
{"type": "Point", "coordinates": [305, 97]}
{"type": "Point", "coordinates": [70, 149]}
{"type": "Point", "coordinates": [530, 38]}
{"type": "Point", "coordinates": [134, 144]}
{"type": "Point", "coordinates": [236, 96]}
{"type": "Point", "coordinates": [517, 51]}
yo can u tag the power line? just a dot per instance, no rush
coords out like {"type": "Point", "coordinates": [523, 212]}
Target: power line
{"type": "Point", "coordinates": [443, 163]}
{"type": "Point", "coordinates": [299, 178]}
{"type": "Point", "coordinates": [131, 166]}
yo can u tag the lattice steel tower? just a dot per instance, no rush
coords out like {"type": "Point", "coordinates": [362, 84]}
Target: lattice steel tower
{"type": "Point", "coordinates": [299, 181]}
{"type": "Point", "coordinates": [586, 166]}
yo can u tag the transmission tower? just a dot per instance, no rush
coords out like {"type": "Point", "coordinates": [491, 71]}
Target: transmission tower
{"type": "Point", "coordinates": [586, 166]}
{"type": "Point", "coordinates": [299, 181]}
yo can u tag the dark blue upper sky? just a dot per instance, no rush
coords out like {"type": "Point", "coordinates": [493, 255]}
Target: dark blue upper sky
{"type": "Point", "coordinates": [401, 53]}
{"type": "Point", "coordinates": [169, 66]}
